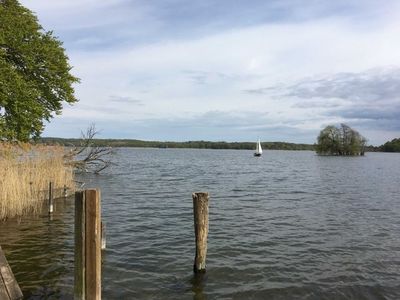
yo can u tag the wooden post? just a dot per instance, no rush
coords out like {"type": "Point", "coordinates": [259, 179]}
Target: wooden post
{"type": "Point", "coordinates": [93, 245]}
{"type": "Point", "coordinates": [80, 233]}
{"type": "Point", "coordinates": [65, 193]}
{"type": "Point", "coordinates": [103, 236]}
{"type": "Point", "coordinates": [51, 195]}
{"type": "Point", "coordinates": [87, 245]}
{"type": "Point", "coordinates": [9, 288]}
{"type": "Point", "coordinates": [200, 211]}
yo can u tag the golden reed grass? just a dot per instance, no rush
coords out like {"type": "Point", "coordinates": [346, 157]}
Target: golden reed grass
{"type": "Point", "coordinates": [25, 173]}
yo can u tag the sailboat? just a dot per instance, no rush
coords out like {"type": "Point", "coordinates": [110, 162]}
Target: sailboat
{"type": "Point", "coordinates": [258, 149]}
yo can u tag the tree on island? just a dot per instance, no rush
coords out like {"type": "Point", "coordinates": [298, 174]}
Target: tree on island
{"type": "Point", "coordinates": [35, 74]}
{"type": "Point", "coordinates": [341, 140]}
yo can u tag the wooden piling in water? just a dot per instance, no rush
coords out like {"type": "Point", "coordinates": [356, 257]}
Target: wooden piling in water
{"type": "Point", "coordinates": [87, 245]}
{"type": "Point", "coordinates": [51, 196]}
{"type": "Point", "coordinates": [65, 192]}
{"type": "Point", "coordinates": [9, 288]}
{"type": "Point", "coordinates": [80, 234]}
{"type": "Point", "coordinates": [103, 236]}
{"type": "Point", "coordinates": [200, 212]}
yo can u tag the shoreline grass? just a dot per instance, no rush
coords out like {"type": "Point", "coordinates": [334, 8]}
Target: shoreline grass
{"type": "Point", "coordinates": [25, 173]}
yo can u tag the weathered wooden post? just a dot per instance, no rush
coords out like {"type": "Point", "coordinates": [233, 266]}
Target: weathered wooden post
{"type": "Point", "coordinates": [80, 234]}
{"type": "Point", "coordinates": [103, 236]}
{"type": "Point", "coordinates": [9, 288]}
{"type": "Point", "coordinates": [51, 196]}
{"type": "Point", "coordinates": [65, 193]}
{"type": "Point", "coordinates": [87, 245]}
{"type": "Point", "coordinates": [200, 211]}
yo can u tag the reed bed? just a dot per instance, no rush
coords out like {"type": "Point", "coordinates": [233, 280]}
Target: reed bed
{"type": "Point", "coordinates": [25, 173]}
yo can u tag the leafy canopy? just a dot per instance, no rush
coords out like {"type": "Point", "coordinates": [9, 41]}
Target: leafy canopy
{"type": "Point", "coordinates": [35, 74]}
{"type": "Point", "coordinates": [392, 146]}
{"type": "Point", "coordinates": [340, 141]}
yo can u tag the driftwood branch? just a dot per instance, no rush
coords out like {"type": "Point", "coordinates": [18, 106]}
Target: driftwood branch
{"type": "Point", "coordinates": [87, 157]}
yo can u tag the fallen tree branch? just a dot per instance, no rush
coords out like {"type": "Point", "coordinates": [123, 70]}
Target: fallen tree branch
{"type": "Point", "coordinates": [87, 157]}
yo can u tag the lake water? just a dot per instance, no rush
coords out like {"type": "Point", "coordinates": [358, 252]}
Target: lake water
{"type": "Point", "coordinates": [288, 225]}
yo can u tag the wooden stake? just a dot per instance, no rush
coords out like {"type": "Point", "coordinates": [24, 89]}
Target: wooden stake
{"type": "Point", "coordinates": [51, 195]}
{"type": "Point", "coordinates": [93, 245]}
{"type": "Point", "coordinates": [65, 193]}
{"type": "Point", "coordinates": [80, 232]}
{"type": "Point", "coordinates": [200, 212]}
{"type": "Point", "coordinates": [9, 288]}
{"type": "Point", "coordinates": [87, 245]}
{"type": "Point", "coordinates": [103, 236]}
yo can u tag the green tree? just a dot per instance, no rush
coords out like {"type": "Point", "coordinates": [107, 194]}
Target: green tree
{"type": "Point", "coordinates": [35, 76]}
{"type": "Point", "coordinates": [392, 146]}
{"type": "Point", "coordinates": [328, 141]}
{"type": "Point", "coordinates": [340, 141]}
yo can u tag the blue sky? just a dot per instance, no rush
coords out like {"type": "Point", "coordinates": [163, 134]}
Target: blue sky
{"type": "Point", "coordinates": [228, 70]}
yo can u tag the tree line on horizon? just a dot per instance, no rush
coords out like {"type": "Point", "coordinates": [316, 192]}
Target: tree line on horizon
{"type": "Point", "coordinates": [392, 146]}
{"type": "Point", "coordinates": [170, 144]}
{"type": "Point", "coordinates": [188, 144]}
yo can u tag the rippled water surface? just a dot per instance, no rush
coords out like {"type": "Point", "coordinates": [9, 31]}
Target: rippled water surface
{"type": "Point", "coordinates": [288, 225]}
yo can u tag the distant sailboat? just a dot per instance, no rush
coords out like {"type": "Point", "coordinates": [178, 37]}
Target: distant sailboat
{"type": "Point", "coordinates": [258, 149]}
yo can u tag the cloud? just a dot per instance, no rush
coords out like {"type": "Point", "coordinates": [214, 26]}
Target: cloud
{"type": "Point", "coordinates": [211, 125]}
{"type": "Point", "coordinates": [368, 100]}
{"type": "Point", "coordinates": [375, 116]}
{"type": "Point", "coordinates": [125, 99]}
{"type": "Point", "coordinates": [325, 103]}
{"type": "Point", "coordinates": [150, 21]}
{"type": "Point", "coordinates": [204, 77]}
{"type": "Point", "coordinates": [378, 112]}
{"type": "Point", "coordinates": [373, 94]}
{"type": "Point", "coordinates": [371, 85]}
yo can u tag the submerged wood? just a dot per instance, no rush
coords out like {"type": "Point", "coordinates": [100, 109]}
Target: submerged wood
{"type": "Point", "coordinates": [9, 288]}
{"type": "Point", "coordinates": [200, 212]}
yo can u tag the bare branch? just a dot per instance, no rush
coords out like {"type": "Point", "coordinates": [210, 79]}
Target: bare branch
{"type": "Point", "coordinates": [87, 157]}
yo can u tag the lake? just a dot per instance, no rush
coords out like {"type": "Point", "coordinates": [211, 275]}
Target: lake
{"type": "Point", "coordinates": [288, 225]}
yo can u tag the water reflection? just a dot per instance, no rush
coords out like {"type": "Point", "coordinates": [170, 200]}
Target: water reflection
{"type": "Point", "coordinates": [198, 283]}
{"type": "Point", "coordinates": [40, 252]}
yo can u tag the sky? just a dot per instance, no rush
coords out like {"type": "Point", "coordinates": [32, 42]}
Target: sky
{"type": "Point", "coordinates": [278, 70]}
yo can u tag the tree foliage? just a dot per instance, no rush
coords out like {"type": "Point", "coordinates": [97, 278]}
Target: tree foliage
{"type": "Point", "coordinates": [341, 140]}
{"type": "Point", "coordinates": [392, 146]}
{"type": "Point", "coordinates": [35, 74]}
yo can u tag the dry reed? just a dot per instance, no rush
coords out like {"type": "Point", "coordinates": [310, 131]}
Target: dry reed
{"type": "Point", "coordinates": [25, 173]}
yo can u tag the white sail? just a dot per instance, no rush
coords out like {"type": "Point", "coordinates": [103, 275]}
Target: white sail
{"type": "Point", "coordinates": [258, 148]}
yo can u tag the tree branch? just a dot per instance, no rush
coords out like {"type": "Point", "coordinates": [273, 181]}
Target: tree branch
{"type": "Point", "coordinates": [87, 157]}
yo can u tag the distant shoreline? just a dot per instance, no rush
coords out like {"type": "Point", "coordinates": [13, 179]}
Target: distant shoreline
{"type": "Point", "coordinates": [187, 145]}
